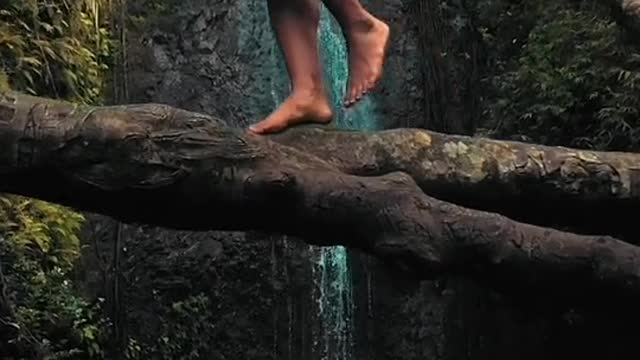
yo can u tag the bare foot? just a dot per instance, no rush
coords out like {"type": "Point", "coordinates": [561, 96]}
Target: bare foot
{"type": "Point", "coordinates": [367, 49]}
{"type": "Point", "coordinates": [298, 108]}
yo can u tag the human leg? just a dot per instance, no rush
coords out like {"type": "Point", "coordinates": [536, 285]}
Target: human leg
{"type": "Point", "coordinates": [295, 23]}
{"type": "Point", "coordinates": [367, 38]}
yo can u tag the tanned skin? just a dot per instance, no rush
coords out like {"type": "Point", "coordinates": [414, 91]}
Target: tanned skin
{"type": "Point", "coordinates": [295, 23]}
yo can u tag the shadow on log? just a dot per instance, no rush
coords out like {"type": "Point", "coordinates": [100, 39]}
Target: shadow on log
{"type": "Point", "coordinates": [159, 165]}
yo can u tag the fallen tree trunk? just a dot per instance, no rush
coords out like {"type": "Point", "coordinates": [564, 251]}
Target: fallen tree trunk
{"type": "Point", "coordinates": [159, 165]}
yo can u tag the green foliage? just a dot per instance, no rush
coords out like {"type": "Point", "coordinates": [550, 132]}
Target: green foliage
{"type": "Point", "coordinates": [40, 245]}
{"type": "Point", "coordinates": [55, 48]}
{"type": "Point", "coordinates": [41, 231]}
{"type": "Point", "coordinates": [60, 322]}
{"type": "Point", "coordinates": [181, 336]}
{"type": "Point", "coordinates": [575, 84]}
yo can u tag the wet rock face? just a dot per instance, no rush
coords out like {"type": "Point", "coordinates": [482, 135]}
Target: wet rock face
{"type": "Point", "coordinates": [188, 56]}
{"type": "Point", "coordinates": [220, 57]}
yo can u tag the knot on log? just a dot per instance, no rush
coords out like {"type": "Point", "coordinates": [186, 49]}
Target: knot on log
{"type": "Point", "coordinates": [266, 187]}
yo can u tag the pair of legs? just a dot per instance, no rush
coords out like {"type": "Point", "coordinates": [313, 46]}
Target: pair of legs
{"type": "Point", "coordinates": [295, 23]}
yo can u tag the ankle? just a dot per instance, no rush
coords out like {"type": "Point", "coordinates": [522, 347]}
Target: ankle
{"type": "Point", "coordinates": [359, 22]}
{"type": "Point", "coordinates": [308, 92]}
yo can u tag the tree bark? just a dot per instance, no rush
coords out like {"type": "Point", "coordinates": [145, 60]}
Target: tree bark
{"type": "Point", "coordinates": [627, 14]}
{"type": "Point", "coordinates": [585, 191]}
{"type": "Point", "coordinates": [159, 165]}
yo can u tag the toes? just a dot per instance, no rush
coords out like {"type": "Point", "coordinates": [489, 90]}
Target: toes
{"type": "Point", "coordinates": [354, 93]}
{"type": "Point", "coordinates": [368, 87]}
{"type": "Point", "coordinates": [347, 95]}
{"type": "Point", "coordinates": [256, 129]}
{"type": "Point", "coordinates": [363, 89]}
{"type": "Point", "coordinates": [261, 128]}
{"type": "Point", "coordinates": [351, 97]}
{"type": "Point", "coordinates": [266, 127]}
{"type": "Point", "coordinates": [358, 95]}
{"type": "Point", "coordinates": [360, 88]}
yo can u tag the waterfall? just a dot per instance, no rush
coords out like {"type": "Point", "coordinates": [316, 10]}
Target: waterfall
{"type": "Point", "coordinates": [333, 337]}
{"type": "Point", "coordinates": [336, 65]}
{"type": "Point", "coordinates": [332, 271]}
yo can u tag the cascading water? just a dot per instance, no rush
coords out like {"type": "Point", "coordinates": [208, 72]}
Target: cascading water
{"type": "Point", "coordinates": [336, 65]}
{"type": "Point", "coordinates": [335, 301]}
{"type": "Point", "coordinates": [333, 339]}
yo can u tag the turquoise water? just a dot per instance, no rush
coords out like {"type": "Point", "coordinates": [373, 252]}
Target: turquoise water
{"type": "Point", "coordinates": [334, 58]}
{"type": "Point", "coordinates": [331, 271]}
{"type": "Point", "coordinates": [335, 301]}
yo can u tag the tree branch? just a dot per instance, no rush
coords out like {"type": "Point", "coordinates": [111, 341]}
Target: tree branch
{"type": "Point", "coordinates": [586, 191]}
{"type": "Point", "coordinates": [160, 165]}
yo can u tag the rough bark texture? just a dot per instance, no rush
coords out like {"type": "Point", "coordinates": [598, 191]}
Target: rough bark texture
{"type": "Point", "coordinates": [627, 14]}
{"type": "Point", "coordinates": [597, 186]}
{"type": "Point", "coordinates": [159, 165]}
{"type": "Point", "coordinates": [585, 190]}
{"type": "Point", "coordinates": [632, 7]}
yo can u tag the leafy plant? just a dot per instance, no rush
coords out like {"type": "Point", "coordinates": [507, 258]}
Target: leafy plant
{"type": "Point", "coordinates": [41, 231]}
{"type": "Point", "coordinates": [39, 248]}
{"type": "Point", "coordinates": [575, 84]}
{"type": "Point", "coordinates": [181, 336]}
{"type": "Point", "coordinates": [55, 48]}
